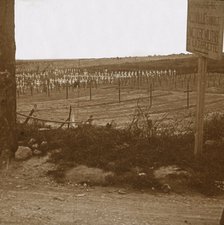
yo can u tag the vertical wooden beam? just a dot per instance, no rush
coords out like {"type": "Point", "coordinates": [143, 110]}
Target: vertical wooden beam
{"type": "Point", "coordinates": [119, 89]}
{"type": "Point", "coordinates": [48, 87]}
{"type": "Point", "coordinates": [66, 90]}
{"type": "Point", "coordinates": [202, 70]}
{"type": "Point", "coordinates": [90, 89]}
{"type": "Point", "coordinates": [138, 79]}
{"type": "Point", "coordinates": [150, 95]}
{"type": "Point", "coordinates": [69, 116]}
{"type": "Point", "coordinates": [188, 95]}
{"type": "Point", "coordinates": [8, 138]}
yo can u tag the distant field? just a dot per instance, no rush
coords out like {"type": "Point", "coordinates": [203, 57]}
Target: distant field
{"type": "Point", "coordinates": [181, 62]}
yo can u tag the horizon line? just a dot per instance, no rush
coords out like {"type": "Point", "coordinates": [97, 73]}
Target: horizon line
{"type": "Point", "coordinates": [113, 57]}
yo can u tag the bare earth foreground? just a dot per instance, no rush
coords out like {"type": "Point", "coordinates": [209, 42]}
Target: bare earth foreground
{"type": "Point", "coordinates": [29, 197]}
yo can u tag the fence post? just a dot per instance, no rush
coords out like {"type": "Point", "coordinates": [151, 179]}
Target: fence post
{"type": "Point", "coordinates": [67, 90]}
{"type": "Point", "coordinates": [150, 94]}
{"type": "Point", "coordinates": [202, 70]}
{"type": "Point", "coordinates": [90, 90]}
{"type": "Point", "coordinates": [69, 116]}
{"type": "Point", "coordinates": [119, 89]}
{"type": "Point", "coordinates": [138, 80]}
{"type": "Point", "coordinates": [31, 89]}
{"type": "Point", "coordinates": [48, 87]}
{"type": "Point", "coordinates": [219, 79]}
{"type": "Point", "coordinates": [188, 95]}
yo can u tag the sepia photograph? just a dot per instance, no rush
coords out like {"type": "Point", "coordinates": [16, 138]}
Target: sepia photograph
{"type": "Point", "coordinates": [111, 112]}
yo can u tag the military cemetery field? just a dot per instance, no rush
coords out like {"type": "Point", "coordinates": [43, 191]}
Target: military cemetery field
{"type": "Point", "coordinates": [161, 85]}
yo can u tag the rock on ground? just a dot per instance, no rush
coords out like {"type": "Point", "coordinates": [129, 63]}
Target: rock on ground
{"type": "Point", "coordinates": [37, 152]}
{"type": "Point", "coordinates": [23, 153]}
{"type": "Point", "coordinates": [163, 171]}
{"type": "Point", "coordinates": [172, 178]}
{"type": "Point", "coordinates": [84, 174]}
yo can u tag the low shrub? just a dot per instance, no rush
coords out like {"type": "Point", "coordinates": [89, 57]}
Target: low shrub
{"type": "Point", "coordinates": [214, 126]}
{"type": "Point", "coordinates": [122, 150]}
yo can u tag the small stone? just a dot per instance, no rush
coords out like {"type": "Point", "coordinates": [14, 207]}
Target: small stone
{"type": "Point", "coordinates": [166, 188]}
{"type": "Point", "coordinates": [31, 141]}
{"type": "Point", "coordinates": [59, 199]}
{"type": "Point", "coordinates": [142, 174]}
{"type": "Point", "coordinates": [44, 145]}
{"type": "Point", "coordinates": [35, 146]}
{"type": "Point", "coordinates": [44, 129]}
{"type": "Point", "coordinates": [37, 152]}
{"type": "Point", "coordinates": [24, 188]}
{"type": "Point", "coordinates": [210, 142]}
{"type": "Point", "coordinates": [23, 153]}
{"type": "Point", "coordinates": [57, 151]}
{"type": "Point", "coordinates": [80, 195]}
{"type": "Point", "coordinates": [122, 192]}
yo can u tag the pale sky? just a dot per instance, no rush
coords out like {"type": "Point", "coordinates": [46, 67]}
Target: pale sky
{"type": "Point", "coordinates": [99, 28]}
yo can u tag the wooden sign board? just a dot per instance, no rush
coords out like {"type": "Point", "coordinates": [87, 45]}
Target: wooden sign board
{"type": "Point", "coordinates": [204, 38]}
{"type": "Point", "coordinates": [205, 28]}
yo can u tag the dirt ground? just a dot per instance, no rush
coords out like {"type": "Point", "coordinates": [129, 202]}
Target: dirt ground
{"type": "Point", "coordinates": [29, 197]}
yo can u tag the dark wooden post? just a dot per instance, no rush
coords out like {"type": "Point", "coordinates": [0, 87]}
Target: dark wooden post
{"type": "Point", "coordinates": [188, 95]}
{"type": "Point", "coordinates": [150, 89]}
{"type": "Point", "coordinates": [119, 89]}
{"type": "Point", "coordinates": [48, 87]}
{"type": "Point", "coordinates": [66, 90]}
{"type": "Point", "coordinates": [202, 70]}
{"type": "Point", "coordinates": [138, 79]}
{"type": "Point", "coordinates": [90, 89]}
{"type": "Point", "coordinates": [31, 89]}
{"type": "Point", "coordinates": [69, 116]}
{"type": "Point", "coordinates": [8, 140]}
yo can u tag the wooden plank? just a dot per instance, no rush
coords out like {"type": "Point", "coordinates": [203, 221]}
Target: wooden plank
{"type": "Point", "coordinates": [202, 69]}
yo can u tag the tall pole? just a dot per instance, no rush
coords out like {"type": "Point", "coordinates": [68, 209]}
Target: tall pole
{"type": "Point", "coordinates": [201, 83]}
{"type": "Point", "coordinates": [8, 140]}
